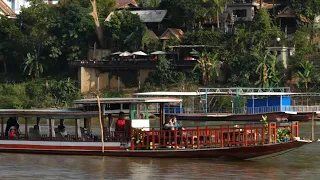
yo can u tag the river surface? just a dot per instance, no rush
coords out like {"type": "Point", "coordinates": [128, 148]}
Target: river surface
{"type": "Point", "coordinates": [302, 163]}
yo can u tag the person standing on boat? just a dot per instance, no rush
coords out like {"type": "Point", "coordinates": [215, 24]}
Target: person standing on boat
{"type": "Point", "coordinates": [120, 124]}
{"type": "Point", "coordinates": [12, 121]}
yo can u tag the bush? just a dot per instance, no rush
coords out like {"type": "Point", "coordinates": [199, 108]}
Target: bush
{"type": "Point", "coordinates": [39, 94]}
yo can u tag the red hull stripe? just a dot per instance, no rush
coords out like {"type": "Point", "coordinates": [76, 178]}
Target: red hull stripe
{"type": "Point", "coordinates": [62, 148]}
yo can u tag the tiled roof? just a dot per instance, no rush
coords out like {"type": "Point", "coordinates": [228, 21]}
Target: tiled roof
{"type": "Point", "coordinates": [151, 34]}
{"type": "Point", "coordinates": [126, 3]}
{"type": "Point", "coordinates": [172, 32]}
{"type": "Point", "coordinates": [5, 9]}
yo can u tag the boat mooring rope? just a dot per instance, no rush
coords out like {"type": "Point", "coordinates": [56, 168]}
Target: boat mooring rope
{"type": "Point", "coordinates": [101, 126]}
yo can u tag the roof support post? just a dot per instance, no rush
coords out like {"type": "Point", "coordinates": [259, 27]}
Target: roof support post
{"type": "Point", "coordinates": [77, 128]}
{"type": "Point", "coordinates": [26, 127]}
{"type": "Point", "coordinates": [253, 105]}
{"type": "Point", "coordinates": [2, 128]}
{"type": "Point", "coordinates": [281, 103]}
{"type": "Point", "coordinates": [162, 114]}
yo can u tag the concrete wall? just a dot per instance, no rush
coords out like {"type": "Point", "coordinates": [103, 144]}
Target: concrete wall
{"type": "Point", "coordinates": [98, 54]}
{"type": "Point", "coordinates": [143, 75]}
{"type": "Point", "coordinates": [88, 78]}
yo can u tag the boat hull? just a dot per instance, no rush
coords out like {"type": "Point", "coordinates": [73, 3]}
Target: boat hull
{"type": "Point", "coordinates": [240, 153]}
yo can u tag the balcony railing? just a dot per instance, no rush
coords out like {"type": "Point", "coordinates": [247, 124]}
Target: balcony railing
{"type": "Point", "coordinates": [240, 110]}
{"type": "Point", "coordinates": [219, 137]}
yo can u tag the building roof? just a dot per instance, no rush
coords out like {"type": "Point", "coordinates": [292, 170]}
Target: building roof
{"type": "Point", "coordinates": [126, 3]}
{"type": "Point", "coordinates": [287, 12]}
{"type": "Point", "coordinates": [5, 9]}
{"type": "Point", "coordinates": [146, 15]}
{"type": "Point", "coordinates": [150, 15]}
{"type": "Point", "coordinates": [172, 32]}
{"type": "Point", "coordinates": [151, 34]}
{"type": "Point", "coordinates": [127, 100]}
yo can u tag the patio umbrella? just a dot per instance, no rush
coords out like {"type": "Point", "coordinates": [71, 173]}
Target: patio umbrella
{"type": "Point", "coordinates": [117, 53]}
{"type": "Point", "coordinates": [126, 53]}
{"type": "Point", "coordinates": [158, 53]}
{"type": "Point", "coordinates": [140, 53]}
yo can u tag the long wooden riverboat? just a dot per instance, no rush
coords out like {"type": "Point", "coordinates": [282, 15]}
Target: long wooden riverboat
{"type": "Point", "coordinates": [138, 138]}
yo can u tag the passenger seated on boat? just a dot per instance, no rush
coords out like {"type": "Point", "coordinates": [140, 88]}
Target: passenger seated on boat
{"type": "Point", "coordinates": [35, 131]}
{"type": "Point", "coordinates": [14, 131]}
{"type": "Point", "coordinates": [12, 121]}
{"type": "Point", "coordinates": [177, 125]}
{"type": "Point", "coordinates": [85, 135]}
{"type": "Point", "coordinates": [168, 125]}
{"type": "Point", "coordinates": [61, 131]}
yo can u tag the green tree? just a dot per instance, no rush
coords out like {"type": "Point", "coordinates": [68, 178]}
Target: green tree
{"type": "Point", "coordinates": [307, 73]}
{"type": "Point", "coordinates": [10, 42]}
{"type": "Point", "coordinates": [37, 24]}
{"type": "Point", "coordinates": [187, 14]}
{"type": "Point", "coordinates": [251, 39]}
{"type": "Point", "coordinates": [207, 64]}
{"type": "Point", "coordinates": [309, 9]}
{"type": "Point", "coordinates": [268, 70]}
{"type": "Point", "coordinates": [164, 74]}
{"type": "Point", "coordinates": [150, 43]}
{"type": "Point", "coordinates": [33, 65]}
{"type": "Point", "coordinates": [219, 6]}
{"type": "Point", "coordinates": [125, 30]}
{"type": "Point", "coordinates": [149, 3]}
{"type": "Point", "coordinates": [76, 31]}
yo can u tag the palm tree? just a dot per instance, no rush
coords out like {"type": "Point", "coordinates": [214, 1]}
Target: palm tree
{"type": "Point", "coordinates": [207, 64]}
{"type": "Point", "coordinates": [306, 73]}
{"type": "Point", "coordinates": [262, 70]}
{"type": "Point", "coordinates": [220, 6]}
{"type": "Point", "coordinates": [267, 69]}
{"type": "Point", "coordinates": [32, 65]}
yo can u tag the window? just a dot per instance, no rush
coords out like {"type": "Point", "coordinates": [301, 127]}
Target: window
{"type": "Point", "coordinates": [240, 13]}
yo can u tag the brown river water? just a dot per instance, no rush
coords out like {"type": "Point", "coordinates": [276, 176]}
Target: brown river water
{"type": "Point", "coordinates": [302, 163]}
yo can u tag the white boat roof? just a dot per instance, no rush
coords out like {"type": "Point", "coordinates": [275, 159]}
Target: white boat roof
{"type": "Point", "coordinates": [128, 100]}
{"type": "Point", "coordinates": [167, 93]}
{"type": "Point", "coordinates": [268, 94]}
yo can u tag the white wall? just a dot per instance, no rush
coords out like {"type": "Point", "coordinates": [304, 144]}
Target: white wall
{"type": "Point", "coordinates": [16, 5]}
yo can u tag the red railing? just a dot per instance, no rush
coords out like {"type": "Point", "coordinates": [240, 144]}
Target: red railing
{"type": "Point", "coordinates": [223, 136]}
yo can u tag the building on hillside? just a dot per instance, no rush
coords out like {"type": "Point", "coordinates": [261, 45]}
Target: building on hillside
{"type": "Point", "coordinates": [286, 18]}
{"type": "Point", "coordinates": [172, 33]}
{"type": "Point", "coordinates": [6, 10]}
{"type": "Point", "coordinates": [16, 5]}
{"type": "Point", "coordinates": [243, 10]}
{"type": "Point", "coordinates": [124, 4]}
{"type": "Point", "coordinates": [226, 22]}
{"type": "Point", "coordinates": [151, 18]}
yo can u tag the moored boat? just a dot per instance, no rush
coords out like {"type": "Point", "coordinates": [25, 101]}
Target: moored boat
{"type": "Point", "coordinates": [137, 138]}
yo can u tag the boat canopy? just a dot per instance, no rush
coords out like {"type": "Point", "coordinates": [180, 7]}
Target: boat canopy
{"type": "Point", "coordinates": [196, 93]}
{"type": "Point", "coordinates": [47, 113]}
{"type": "Point", "coordinates": [128, 100]}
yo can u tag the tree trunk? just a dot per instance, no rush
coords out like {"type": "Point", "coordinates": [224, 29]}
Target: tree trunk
{"type": "Point", "coordinates": [95, 17]}
{"type": "Point", "coordinates": [218, 20]}
{"type": "Point", "coordinates": [5, 66]}
{"type": "Point", "coordinates": [261, 2]}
